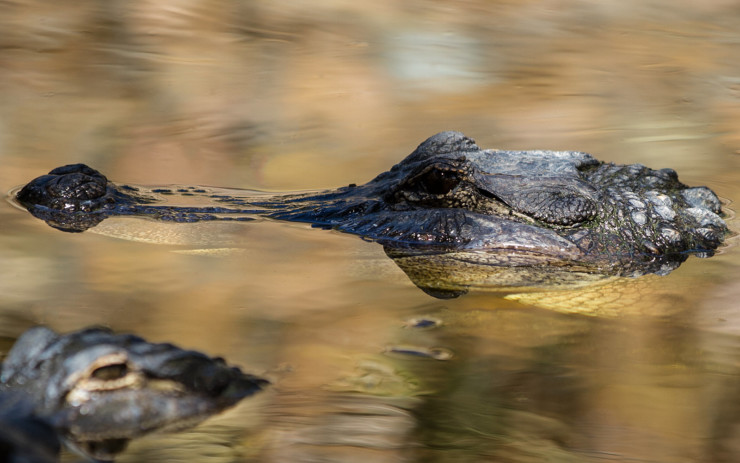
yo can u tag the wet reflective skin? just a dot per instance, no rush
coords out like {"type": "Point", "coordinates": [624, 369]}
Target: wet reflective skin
{"type": "Point", "coordinates": [533, 214]}
{"type": "Point", "coordinates": [100, 390]}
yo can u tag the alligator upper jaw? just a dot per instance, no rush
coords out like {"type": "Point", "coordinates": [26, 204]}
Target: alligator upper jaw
{"type": "Point", "coordinates": [449, 229]}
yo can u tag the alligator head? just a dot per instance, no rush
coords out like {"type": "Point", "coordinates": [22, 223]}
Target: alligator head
{"type": "Point", "coordinates": [100, 389]}
{"type": "Point", "coordinates": [534, 209]}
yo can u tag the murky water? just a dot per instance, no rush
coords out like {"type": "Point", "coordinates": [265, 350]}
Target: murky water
{"type": "Point", "coordinates": [279, 96]}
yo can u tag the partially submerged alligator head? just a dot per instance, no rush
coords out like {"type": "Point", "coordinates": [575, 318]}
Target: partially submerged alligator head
{"type": "Point", "coordinates": [540, 210]}
{"type": "Point", "coordinates": [100, 390]}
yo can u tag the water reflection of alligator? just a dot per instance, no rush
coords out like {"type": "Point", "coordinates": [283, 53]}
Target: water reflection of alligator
{"type": "Point", "coordinates": [100, 390]}
{"type": "Point", "coordinates": [532, 211]}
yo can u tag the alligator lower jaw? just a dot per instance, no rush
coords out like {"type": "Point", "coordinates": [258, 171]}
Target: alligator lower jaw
{"type": "Point", "coordinates": [501, 256]}
{"type": "Point", "coordinates": [450, 274]}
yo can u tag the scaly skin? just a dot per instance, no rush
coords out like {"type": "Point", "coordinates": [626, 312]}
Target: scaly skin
{"type": "Point", "coordinates": [539, 210]}
{"type": "Point", "coordinates": [100, 389]}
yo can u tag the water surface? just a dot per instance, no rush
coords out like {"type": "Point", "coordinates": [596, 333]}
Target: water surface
{"type": "Point", "coordinates": [367, 367]}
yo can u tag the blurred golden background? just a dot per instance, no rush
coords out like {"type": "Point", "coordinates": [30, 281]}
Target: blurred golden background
{"type": "Point", "coordinates": [306, 95]}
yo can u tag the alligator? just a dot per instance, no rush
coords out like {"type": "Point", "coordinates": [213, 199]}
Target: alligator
{"type": "Point", "coordinates": [24, 437]}
{"type": "Point", "coordinates": [535, 211]}
{"type": "Point", "coordinates": [99, 390]}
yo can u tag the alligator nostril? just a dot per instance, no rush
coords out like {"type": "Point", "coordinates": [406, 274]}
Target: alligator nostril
{"type": "Point", "coordinates": [89, 190]}
{"type": "Point", "coordinates": [77, 186]}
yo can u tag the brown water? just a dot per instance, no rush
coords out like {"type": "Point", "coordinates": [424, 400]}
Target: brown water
{"type": "Point", "coordinates": [280, 96]}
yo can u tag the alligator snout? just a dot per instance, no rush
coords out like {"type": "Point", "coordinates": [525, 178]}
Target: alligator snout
{"type": "Point", "coordinates": [211, 377]}
{"type": "Point", "coordinates": [78, 185]}
{"type": "Point", "coordinates": [69, 188]}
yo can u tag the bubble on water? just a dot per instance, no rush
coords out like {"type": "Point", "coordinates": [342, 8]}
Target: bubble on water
{"type": "Point", "coordinates": [423, 323]}
{"type": "Point", "coordinates": [436, 353]}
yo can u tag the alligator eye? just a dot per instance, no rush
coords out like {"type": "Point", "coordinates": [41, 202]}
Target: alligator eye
{"type": "Point", "coordinates": [106, 374]}
{"type": "Point", "coordinates": [110, 372]}
{"type": "Point", "coordinates": [437, 181]}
